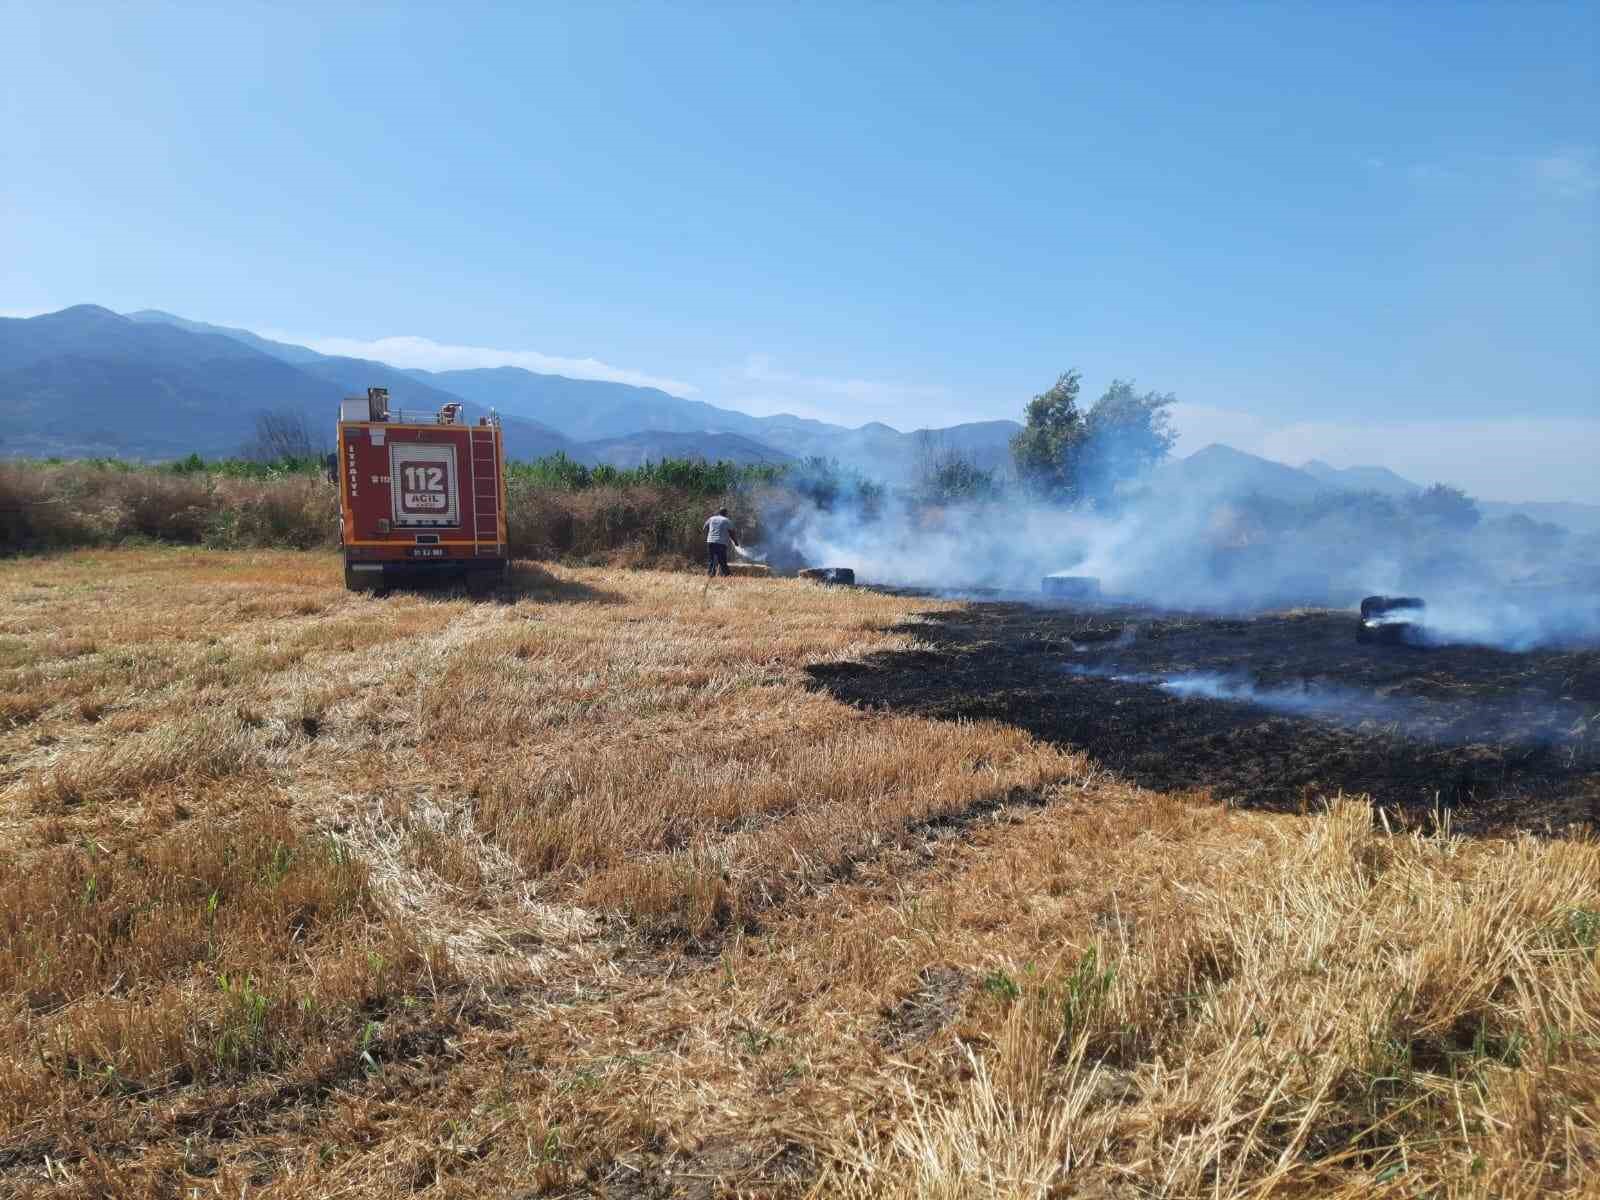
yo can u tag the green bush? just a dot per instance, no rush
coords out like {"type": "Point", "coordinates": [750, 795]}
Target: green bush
{"type": "Point", "coordinates": [692, 476]}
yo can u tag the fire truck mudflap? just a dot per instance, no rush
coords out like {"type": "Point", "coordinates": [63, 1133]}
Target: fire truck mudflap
{"type": "Point", "coordinates": [421, 495]}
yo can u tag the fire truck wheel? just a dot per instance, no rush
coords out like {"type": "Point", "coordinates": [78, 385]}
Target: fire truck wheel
{"type": "Point", "coordinates": [361, 581]}
{"type": "Point", "coordinates": [482, 583]}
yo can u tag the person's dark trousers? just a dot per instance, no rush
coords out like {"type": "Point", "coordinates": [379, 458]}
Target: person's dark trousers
{"type": "Point", "coordinates": [716, 558]}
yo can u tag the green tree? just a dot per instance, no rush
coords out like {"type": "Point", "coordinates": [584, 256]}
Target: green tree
{"type": "Point", "coordinates": [1125, 434]}
{"type": "Point", "coordinates": [955, 477]}
{"type": "Point", "coordinates": [1047, 448]}
{"type": "Point", "coordinates": [284, 436]}
{"type": "Point", "coordinates": [1446, 506]}
{"type": "Point", "coordinates": [945, 475]}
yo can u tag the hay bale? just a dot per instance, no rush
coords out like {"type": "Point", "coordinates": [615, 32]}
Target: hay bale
{"type": "Point", "coordinates": [838, 575]}
{"type": "Point", "coordinates": [1391, 621]}
{"type": "Point", "coordinates": [1376, 606]}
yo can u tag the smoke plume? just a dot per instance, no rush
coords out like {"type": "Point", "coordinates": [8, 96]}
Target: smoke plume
{"type": "Point", "coordinates": [1511, 583]}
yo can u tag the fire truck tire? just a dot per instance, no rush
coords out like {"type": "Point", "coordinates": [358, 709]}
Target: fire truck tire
{"type": "Point", "coordinates": [361, 581]}
{"type": "Point", "coordinates": [483, 583]}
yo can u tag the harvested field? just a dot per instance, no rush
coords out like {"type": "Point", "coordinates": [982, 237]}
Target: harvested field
{"type": "Point", "coordinates": [596, 890]}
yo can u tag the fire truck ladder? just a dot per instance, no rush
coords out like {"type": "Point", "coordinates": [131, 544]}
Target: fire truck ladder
{"type": "Point", "coordinates": [485, 490]}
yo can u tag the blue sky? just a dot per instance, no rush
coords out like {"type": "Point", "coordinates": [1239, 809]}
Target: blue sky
{"type": "Point", "coordinates": [1362, 232]}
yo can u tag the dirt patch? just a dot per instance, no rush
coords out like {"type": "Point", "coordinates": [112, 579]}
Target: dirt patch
{"type": "Point", "coordinates": [722, 1166]}
{"type": "Point", "coordinates": [931, 1006]}
{"type": "Point", "coordinates": [1268, 712]}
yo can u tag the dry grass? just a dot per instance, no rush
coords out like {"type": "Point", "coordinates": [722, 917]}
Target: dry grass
{"type": "Point", "coordinates": [305, 894]}
{"type": "Point", "coordinates": [58, 505]}
{"type": "Point", "coordinates": [645, 523]}
{"type": "Point", "coordinates": [77, 504]}
{"type": "Point", "coordinates": [1307, 1009]}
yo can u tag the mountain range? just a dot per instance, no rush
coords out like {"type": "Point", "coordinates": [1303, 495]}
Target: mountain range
{"type": "Point", "coordinates": [150, 385]}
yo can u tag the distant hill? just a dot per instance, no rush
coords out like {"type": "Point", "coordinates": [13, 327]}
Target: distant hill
{"type": "Point", "coordinates": [887, 453]}
{"type": "Point", "coordinates": [89, 331]}
{"type": "Point", "coordinates": [588, 410]}
{"type": "Point", "coordinates": [353, 375]}
{"type": "Point", "coordinates": [283, 350]}
{"type": "Point", "coordinates": [87, 381]}
{"type": "Point", "coordinates": [1361, 479]}
{"type": "Point", "coordinates": [151, 384]}
{"type": "Point", "coordinates": [525, 438]}
{"type": "Point", "coordinates": [1220, 470]}
{"type": "Point", "coordinates": [1579, 518]}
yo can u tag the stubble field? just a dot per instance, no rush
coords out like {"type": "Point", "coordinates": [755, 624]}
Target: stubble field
{"type": "Point", "coordinates": [594, 891]}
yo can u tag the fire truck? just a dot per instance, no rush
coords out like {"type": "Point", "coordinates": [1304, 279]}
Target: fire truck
{"type": "Point", "coordinates": [422, 495]}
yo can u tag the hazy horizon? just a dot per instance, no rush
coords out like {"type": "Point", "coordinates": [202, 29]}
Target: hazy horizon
{"type": "Point", "coordinates": [1367, 241]}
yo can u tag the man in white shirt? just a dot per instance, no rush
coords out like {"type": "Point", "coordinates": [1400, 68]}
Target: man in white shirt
{"type": "Point", "coordinates": [720, 534]}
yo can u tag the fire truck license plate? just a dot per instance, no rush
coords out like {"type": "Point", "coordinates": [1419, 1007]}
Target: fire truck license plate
{"type": "Point", "coordinates": [428, 552]}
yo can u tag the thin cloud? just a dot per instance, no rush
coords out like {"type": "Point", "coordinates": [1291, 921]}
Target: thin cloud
{"type": "Point", "coordinates": [428, 355]}
{"type": "Point", "coordinates": [1570, 174]}
{"type": "Point", "coordinates": [1562, 173]}
{"type": "Point", "coordinates": [760, 386]}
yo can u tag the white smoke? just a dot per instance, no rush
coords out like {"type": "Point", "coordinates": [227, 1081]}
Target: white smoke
{"type": "Point", "coordinates": [1511, 621]}
{"type": "Point", "coordinates": [1303, 698]}
{"type": "Point", "coordinates": [1501, 584]}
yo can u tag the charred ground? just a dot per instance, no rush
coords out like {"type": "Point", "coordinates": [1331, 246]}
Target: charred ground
{"type": "Point", "coordinates": [1504, 740]}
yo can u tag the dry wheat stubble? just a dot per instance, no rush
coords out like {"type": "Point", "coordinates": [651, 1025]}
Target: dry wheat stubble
{"type": "Point", "coordinates": [586, 890]}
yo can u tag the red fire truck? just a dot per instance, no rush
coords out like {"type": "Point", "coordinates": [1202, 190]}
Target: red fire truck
{"type": "Point", "coordinates": [422, 495]}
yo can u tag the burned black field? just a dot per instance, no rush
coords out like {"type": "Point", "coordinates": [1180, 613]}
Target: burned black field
{"type": "Point", "coordinates": [1269, 711]}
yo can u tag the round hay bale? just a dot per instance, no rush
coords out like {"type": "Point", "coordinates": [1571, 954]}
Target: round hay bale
{"type": "Point", "coordinates": [1377, 606]}
{"type": "Point", "coordinates": [1391, 621]}
{"type": "Point", "coordinates": [837, 575]}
